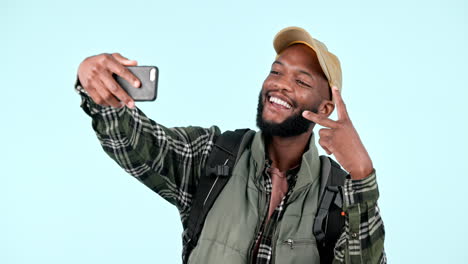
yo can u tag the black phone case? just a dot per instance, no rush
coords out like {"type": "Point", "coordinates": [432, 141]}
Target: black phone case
{"type": "Point", "coordinates": [149, 87]}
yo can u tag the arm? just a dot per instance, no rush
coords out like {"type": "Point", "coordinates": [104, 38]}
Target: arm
{"type": "Point", "coordinates": [363, 238]}
{"type": "Point", "coordinates": [167, 160]}
{"type": "Point", "coordinates": [362, 241]}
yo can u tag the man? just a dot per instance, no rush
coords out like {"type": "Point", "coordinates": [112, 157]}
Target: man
{"type": "Point", "coordinates": [265, 212]}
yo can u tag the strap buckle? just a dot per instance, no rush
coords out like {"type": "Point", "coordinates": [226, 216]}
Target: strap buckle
{"type": "Point", "coordinates": [219, 170]}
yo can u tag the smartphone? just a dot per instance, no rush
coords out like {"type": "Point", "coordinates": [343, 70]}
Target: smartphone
{"type": "Point", "coordinates": [148, 76]}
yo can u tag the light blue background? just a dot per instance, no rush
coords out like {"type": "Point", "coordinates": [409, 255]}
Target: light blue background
{"type": "Point", "coordinates": [62, 200]}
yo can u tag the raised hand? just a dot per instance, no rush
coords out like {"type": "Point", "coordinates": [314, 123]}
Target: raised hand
{"type": "Point", "coordinates": [341, 139]}
{"type": "Point", "coordinates": [95, 75]}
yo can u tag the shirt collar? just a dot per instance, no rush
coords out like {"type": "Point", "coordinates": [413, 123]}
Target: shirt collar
{"type": "Point", "coordinates": [291, 174]}
{"type": "Point", "coordinates": [308, 171]}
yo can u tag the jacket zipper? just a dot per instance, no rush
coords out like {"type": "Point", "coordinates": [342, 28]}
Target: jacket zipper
{"type": "Point", "coordinates": [293, 243]}
{"type": "Point", "coordinates": [262, 218]}
{"type": "Point", "coordinates": [273, 246]}
{"type": "Point", "coordinates": [257, 229]}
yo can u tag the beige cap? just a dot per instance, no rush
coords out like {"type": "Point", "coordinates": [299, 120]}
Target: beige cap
{"type": "Point", "coordinates": [328, 61]}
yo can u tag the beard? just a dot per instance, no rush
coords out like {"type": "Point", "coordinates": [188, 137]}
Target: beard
{"type": "Point", "coordinates": [292, 126]}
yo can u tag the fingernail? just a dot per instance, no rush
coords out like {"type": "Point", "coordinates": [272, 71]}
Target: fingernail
{"type": "Point", "coordinates": [131, 104]}
{"type": "Point", "coordinates": [136, 84]}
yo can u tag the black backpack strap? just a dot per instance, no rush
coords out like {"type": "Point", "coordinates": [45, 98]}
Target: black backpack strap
{"type": "Point", "coordinates": [218, 169]}
{"type": "Point", "coordinates": [329, 221]}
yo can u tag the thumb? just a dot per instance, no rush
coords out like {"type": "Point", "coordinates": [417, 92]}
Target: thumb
{"type": "Point", "coordinates": [124, 61]}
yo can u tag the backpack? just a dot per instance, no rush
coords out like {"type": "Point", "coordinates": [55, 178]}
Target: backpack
{"type": "Point", "coordinates": [329, 221]}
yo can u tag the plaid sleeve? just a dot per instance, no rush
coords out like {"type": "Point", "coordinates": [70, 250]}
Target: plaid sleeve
{"type": "Point", "coordinates": [363, 238]}
{"type": "Point", "coordinates": [167, 160]}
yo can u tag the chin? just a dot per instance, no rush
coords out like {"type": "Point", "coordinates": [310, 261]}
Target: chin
{"type": "Point", "coordinates": [273, 121]}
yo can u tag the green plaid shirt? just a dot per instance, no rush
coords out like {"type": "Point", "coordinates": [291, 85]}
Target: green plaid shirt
{"type": "Point", "coordinates": [264, 239]}
{"type": "Point", "coordinates": [170, 161]}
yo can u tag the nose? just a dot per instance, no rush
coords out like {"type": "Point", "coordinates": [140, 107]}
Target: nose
{"type": "Point", "coordinates": [282, 84]}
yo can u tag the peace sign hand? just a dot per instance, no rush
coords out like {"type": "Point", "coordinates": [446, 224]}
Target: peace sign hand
{"type": "Point", "coordinates": [341, 139]}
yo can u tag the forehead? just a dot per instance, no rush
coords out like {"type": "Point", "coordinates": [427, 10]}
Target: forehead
{"type": "Point", "coordinates": [300, 55]}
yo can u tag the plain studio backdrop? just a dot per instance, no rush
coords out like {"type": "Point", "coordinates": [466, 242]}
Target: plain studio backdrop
{"type": "Point", "coordinates": [63, 200]}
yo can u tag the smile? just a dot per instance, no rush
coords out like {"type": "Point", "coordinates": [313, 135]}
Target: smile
{"type": "Point", "coordinates": [278, 101]}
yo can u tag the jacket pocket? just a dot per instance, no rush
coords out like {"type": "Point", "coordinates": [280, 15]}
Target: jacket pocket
{"type": "Point", "coordinates": [297, 251]}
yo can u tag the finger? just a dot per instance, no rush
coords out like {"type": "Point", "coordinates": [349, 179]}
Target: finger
{"type": "Point", "coordinates": [108, 97]}
{"type": "Point", "coordinates": [123, 60]}
{"type": "Point", "coordinates": [96, 97]}
{"type": "Point", "coordinates": [117, 68]}
{"type": "Point", "coordinates": [115, 89]}
{"type": "Point", "coordinates": [324, 144]}
{"type": "Point", "coordinates": [325, 132]}
{"type": "Point", "coordinates": [318, 119]}
{"type": "Point", "coordinates": [92, 92]}
{"type": "Point", "coordinates": [340, 105]}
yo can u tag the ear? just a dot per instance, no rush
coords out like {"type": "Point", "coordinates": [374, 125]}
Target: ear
{"type": "Point", "coordinates": [326, 108]}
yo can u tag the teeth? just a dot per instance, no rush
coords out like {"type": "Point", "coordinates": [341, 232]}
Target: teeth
{"type": "Point", "coordinates": [276, 100]}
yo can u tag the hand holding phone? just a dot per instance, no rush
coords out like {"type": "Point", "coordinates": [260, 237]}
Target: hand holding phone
{"type": "Point", "coordinates": [148, 76]}
{"type": "Point", "coordinates": [96, 76]}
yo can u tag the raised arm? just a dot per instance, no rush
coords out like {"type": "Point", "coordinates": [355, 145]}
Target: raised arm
{"type": "Point", "coordinates": [362, 241]}
{"type": "Point", "coordinates": [167, 160]}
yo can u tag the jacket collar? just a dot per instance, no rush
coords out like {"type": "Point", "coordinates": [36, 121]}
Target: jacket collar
{"type": "Point", "coordinates": [310, 164]}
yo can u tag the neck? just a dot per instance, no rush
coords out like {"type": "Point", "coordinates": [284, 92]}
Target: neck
{"type": "Point", "coordinates": [286, 152]}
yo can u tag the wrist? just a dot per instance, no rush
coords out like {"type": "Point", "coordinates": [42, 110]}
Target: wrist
{"type": "Point", "coordinates": [361, 173]}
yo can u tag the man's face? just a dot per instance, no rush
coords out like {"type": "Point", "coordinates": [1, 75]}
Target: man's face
{"type": "Point", "coordinates": [295, 83]}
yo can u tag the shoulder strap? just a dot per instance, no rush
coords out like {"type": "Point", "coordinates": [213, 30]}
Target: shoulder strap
{"type": "Point", "coordinates": [329, 220]}
{"type": "Point", "coordinates": [224, 155]}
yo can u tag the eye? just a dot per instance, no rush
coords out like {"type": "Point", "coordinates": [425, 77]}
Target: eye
{"type": "Point", "coordinates": [302, 83]}
{"type": "Point", "coordinates": [274, 72]}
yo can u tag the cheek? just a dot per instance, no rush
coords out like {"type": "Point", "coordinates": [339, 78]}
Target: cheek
{"type": "Point", "coordinates": [267, 83]}
{"type": "Point", "coordinates": [309, 99]}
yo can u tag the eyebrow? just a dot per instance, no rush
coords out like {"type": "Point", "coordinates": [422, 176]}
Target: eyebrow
{"type": "Point", "coordinates": [301, 71]}
{"type": "Point", "coordinates": [278, 62]}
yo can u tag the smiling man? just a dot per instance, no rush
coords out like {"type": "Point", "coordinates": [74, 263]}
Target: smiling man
{"type": "Point", "coordinates": [266, 210]}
